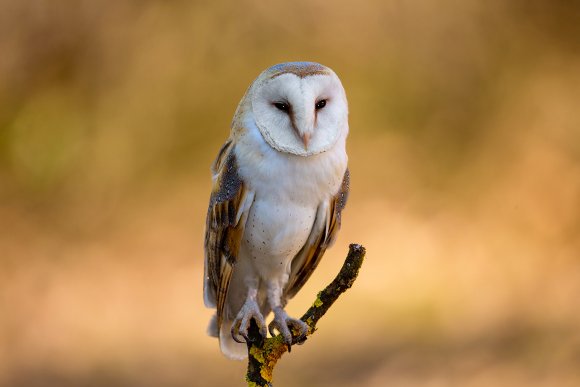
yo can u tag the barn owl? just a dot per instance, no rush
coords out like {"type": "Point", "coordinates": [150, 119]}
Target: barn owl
{"type": "Point", "coordinates": [280, 183]}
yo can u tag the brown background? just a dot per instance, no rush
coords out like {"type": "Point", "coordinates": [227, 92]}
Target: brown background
{"type": "Point", "coordinates": [465, 159]}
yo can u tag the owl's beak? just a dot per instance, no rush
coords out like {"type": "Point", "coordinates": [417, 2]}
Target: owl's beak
{"type": "Point", "coordinates": [305, 140]}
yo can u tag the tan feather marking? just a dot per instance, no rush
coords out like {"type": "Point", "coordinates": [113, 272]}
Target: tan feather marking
{"type": "Point", "coordinates": [300, 69]}
{"type": "Point", "coordinates": [312, 254]}
{"type": "Point", "coordinates": [225, 277]}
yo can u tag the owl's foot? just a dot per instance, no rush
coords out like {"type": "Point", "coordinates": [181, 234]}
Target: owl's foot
{"type": "Point", "coordinates": [241, 323]}
{"type": "Point", "coordinates": [286, 325]}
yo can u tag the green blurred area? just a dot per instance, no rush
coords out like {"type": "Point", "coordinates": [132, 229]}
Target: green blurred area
{"type": "Point", "coordinates": [465, 159]}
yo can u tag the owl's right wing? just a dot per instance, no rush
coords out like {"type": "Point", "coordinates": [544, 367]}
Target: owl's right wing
{"type": "Point", "coordinates": [229, 205]}
{"type": "Point", "coordinates": [323, 234]}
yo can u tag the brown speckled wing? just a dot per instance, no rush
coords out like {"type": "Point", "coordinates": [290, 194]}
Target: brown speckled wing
{"type": "Point", "coordinates": [229, 204]}
{"type": "Point", "coordinates": [322, 236]}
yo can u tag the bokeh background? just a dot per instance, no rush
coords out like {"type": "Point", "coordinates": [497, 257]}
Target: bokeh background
{"type": "Point", "coordinates": [465, 160]}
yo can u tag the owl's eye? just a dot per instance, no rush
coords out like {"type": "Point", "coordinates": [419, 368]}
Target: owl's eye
{"type": "Point", "coordinates": [320, 104]}
{"type": "Point", "coordinates": [283, 106]}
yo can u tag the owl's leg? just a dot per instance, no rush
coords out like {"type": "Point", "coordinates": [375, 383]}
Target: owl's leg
{"type": "Point", "coordinates": [250, 310]}
{"type": "Point", "coordinates": [282, 322]}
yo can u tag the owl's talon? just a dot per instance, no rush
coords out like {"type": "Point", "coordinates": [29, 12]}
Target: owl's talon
{"type": "Point", "coordinates": [241, 323]}
{"type": "Point", "coordinates": [235, 333]}
{"type": "Point", "coordinates": [235, 328]}
{"type": "Point", "coordinates": [285, 325]}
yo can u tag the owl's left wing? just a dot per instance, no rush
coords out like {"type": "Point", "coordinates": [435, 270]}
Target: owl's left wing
{"type": "Point", "coordinates": [323, 234]}
{"type": "Point", "coordinates": [228, 210]}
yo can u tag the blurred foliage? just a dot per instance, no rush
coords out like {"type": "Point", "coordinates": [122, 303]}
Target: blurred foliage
{"type": "Point", "coordinates": [464, 151]}
{"type": "Point", "coordinates": [98, 94]}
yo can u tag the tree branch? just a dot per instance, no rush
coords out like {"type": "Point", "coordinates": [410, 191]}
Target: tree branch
{"type": "Point", "coordinates": [263, 354]}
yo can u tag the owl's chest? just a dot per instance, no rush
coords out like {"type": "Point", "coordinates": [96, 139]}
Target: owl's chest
{"type": "Point", "coordinates": [277, 230]}
{"type": "Point", "coordinates": [288, 190]}
{"type": "Point", "coordinates": [304, 181]}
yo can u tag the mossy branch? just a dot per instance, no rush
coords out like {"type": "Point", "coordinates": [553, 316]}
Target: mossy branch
{"type": "Point", "coordinates": [263, 354]}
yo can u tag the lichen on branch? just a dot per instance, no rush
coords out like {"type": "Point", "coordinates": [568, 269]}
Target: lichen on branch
{"type": "Point", "coordinates": [263, 354]}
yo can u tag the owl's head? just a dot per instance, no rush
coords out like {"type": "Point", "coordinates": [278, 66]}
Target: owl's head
{"type": "Point", "coordinates": [299, 107]}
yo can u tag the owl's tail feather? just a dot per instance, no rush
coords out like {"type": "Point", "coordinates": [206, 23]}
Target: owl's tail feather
{"type": "Point", "coordinates": [212, 328]}
{"type": "Point", "coordinates": [229, 347]}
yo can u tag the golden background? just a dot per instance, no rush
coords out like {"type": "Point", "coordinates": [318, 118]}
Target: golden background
{"type": "Point", "coordinates": [465, 160]}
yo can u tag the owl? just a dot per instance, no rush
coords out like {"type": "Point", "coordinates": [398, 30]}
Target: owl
{"type": "Point", "coordinates": [280, 183]}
